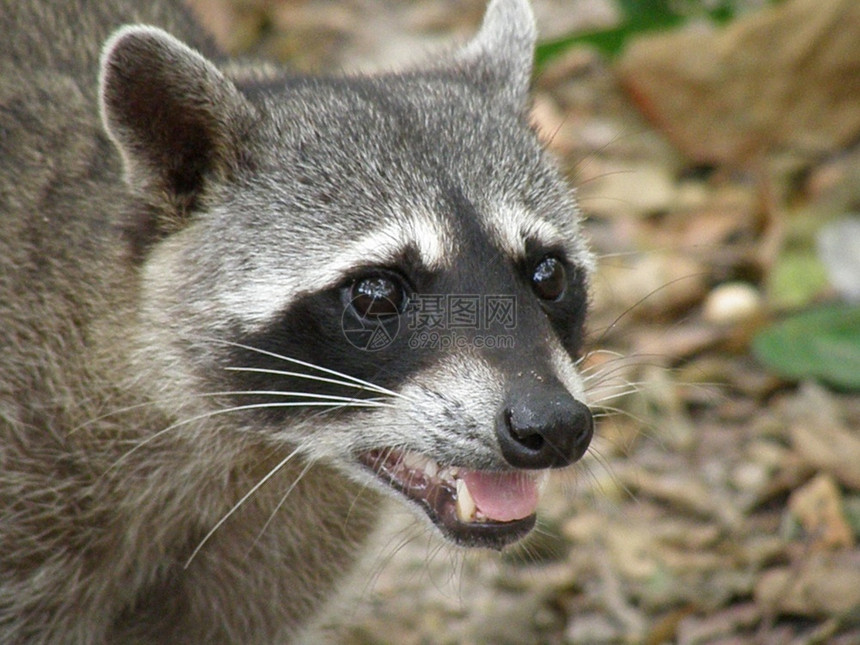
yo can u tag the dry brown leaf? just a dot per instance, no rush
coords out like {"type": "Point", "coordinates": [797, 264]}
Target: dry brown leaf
{"type": "Point", "coordinates": [818, 507]}
{"type": "Point", "coordinates": [822, 440]}
{"type": "Point", "coordinates": [825, 584]}
{"type": "Point", "coordinates": [785, 77]}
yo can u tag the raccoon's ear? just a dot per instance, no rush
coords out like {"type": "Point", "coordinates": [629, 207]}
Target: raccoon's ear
{"type": "Point", "coordinates": [501, 55]}
{"type": "Point", "coordinates": [173, 116]}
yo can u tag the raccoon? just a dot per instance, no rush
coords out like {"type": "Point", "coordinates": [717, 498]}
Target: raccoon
{"type": "Point", "coordinates": [241, 310]}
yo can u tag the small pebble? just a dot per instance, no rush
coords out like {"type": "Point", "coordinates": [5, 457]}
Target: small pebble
{"type": "Point", "coordinates": [732, 302]}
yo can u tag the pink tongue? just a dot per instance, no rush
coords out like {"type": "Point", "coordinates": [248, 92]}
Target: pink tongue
{"type": "Point", "coordinates": [502, 496]}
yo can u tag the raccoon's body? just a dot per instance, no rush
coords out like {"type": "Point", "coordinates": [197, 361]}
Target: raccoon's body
{"type": "Point", "coordinates": [195, 259]}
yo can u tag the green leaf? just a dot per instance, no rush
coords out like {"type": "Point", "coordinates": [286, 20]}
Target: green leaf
{"type": "Point", "coordinates": [821, 344]}
{"type": "Point", "coordinates": [609, 42]}
{"type": "Point", "coordinates": [639, 17]}
{"type": "Point", "coordinates": [646, 11]}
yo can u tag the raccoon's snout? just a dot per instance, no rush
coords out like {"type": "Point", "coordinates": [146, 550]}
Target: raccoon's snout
{"type": "Point", "coordinates": [544, 427]}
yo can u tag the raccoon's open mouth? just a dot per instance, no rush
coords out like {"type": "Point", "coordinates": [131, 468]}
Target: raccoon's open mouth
{"type": "Point", "coordinates": [471, 507]}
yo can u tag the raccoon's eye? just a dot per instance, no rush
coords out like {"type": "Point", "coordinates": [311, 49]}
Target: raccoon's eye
{"type": "Point", "coordinates": [548, 279]}
{"type": "Point", "coordinates": [377, 296]}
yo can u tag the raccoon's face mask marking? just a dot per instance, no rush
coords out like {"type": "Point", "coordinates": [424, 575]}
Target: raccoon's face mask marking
{"type": "Point", "coordinates": [523, 424]}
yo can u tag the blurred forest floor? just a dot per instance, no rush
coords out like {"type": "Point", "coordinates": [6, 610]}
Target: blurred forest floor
{"type": "Point", "coordinates": [720, 503]}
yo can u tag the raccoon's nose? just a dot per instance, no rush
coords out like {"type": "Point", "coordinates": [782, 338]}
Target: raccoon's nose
{"type": "Point", "coordinates": [544, 428]}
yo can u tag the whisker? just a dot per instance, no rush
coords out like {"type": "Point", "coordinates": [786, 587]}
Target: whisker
{"type": "Point", "coordinates": [607, 369]}
{"type": "Point", "coordinates": [623, 390]}
{"type": "Point", "coordinates": [280, 504]}
{"type": "Point", "coordinates": [238, 504]}
{"type": "Point", "coordinates": [610, 411]}
{"type": "Point", "coordinates": [202, 395]}
{"type": "Point", "coordinates": [319, 368]}
{"type": "Point", "coordinates": [598, 352]}
{"type": "Point", "coordinates": [387, 553]}
{"type": "Point", "coordinates": [311, 377]}
{"type": "Point", "coordinates": [633, 307]}
{"type": "Point", "coordinates": [311, 395]}
{"type": "Point", "coordinates": [687, 249]}
{"type": "Point", "coordinates": [597, 484]}
{"type": "Point", "coordinates": [632, 360]}
{"type": "Point", "coordinates": [609, 381]}
{"type": "Point", "coordinates": [359, 403]}
{"type": "Point", "coordinates": [129, 408]}
{"type": "Point", "coordinates": [576, 169]}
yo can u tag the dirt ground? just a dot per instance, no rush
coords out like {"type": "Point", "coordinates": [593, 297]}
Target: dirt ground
{"type": "Point", "coordinates": [719, 503]}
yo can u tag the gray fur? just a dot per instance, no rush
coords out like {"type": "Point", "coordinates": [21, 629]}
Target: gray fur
{"type": "Point", "coordinates": [156, 204]}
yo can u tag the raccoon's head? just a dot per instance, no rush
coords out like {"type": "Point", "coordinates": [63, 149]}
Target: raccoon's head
{"type": "Point", "coordinates": [386, 272]}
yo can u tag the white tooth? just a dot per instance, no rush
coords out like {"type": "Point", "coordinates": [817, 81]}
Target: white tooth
{"type": "Point", "coordinates": [413, 461]}
{"type": "Point", "coordinates": [465, 504]}
{"type": "Point", "coordinates": [431, 469]}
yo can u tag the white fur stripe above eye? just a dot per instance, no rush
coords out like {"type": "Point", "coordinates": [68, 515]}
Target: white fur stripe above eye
{"type": "Point", "coordinates": [512, 226]}
{"type": "Point", "coordinates": [428, 234]}
{"type": "Point", "coordinates": [258, 301]}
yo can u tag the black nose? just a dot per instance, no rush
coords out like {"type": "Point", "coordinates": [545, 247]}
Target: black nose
{"type": "Point", "coordinates": [543, 426]}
